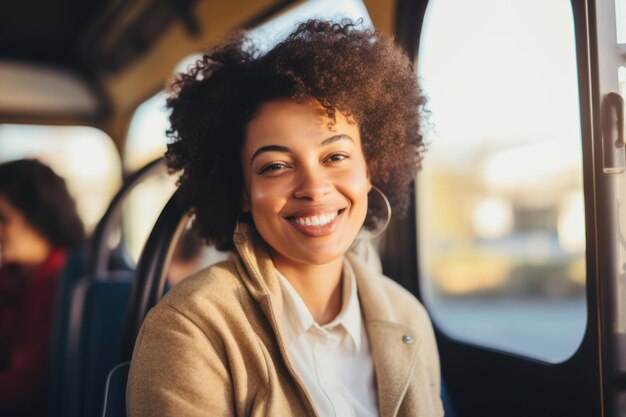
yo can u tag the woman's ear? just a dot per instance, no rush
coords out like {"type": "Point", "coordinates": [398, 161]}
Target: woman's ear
{"type": "Point", "coordinates": [369, 179]}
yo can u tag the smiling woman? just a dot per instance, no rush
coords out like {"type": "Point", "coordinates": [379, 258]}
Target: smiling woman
{"type": "Point", "coordinates": [278, 154]}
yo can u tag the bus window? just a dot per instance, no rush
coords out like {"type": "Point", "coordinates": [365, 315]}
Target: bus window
{"type": "Point", "coordinates": [142, 208]}
{"type": "Point", "coordinates": [84, 156]}
{"type": "Point", "coordinates": [146, 139]}
{"type": "Point", "coordinates": [500, 200]}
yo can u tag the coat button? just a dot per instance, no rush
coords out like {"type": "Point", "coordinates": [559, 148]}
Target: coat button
{"type": "Point", "coordinates": [407, 338]}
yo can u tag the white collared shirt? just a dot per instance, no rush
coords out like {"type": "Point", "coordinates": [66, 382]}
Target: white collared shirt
{"type": "Point", "coordinates": [334, 361]}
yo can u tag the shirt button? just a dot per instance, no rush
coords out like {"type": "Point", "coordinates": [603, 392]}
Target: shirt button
{"type": "Point", "coordinates": [408, 339]}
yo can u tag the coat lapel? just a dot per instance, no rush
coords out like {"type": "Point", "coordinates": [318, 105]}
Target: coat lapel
{"type": "Point", "coordinates": [394, 361]}
{"type": "Point", "coordinates": [394, 345]}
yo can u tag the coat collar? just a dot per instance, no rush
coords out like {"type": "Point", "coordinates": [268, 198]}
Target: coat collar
{"type": "Point", "coordinates": [257, 268]}
{"type": "Point", "coordinates": [394, 344]}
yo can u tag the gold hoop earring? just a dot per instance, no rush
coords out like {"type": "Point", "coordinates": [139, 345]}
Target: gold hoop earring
{"type": "Point", "coordinates": [236, 231]}
{"type": "Point", "coordinates": [375, 234]}
{"type": "Point", "coordinates": [244, 219]}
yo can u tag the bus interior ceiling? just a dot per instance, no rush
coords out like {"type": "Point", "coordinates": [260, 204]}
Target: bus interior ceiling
{"type": "Point", "coordinates": [110, 56]}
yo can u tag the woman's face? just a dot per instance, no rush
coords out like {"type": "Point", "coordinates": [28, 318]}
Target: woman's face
{"type": "Point", "coordinates": [20, 243]}
{"type": "Point", "coordinates": [305, 185]}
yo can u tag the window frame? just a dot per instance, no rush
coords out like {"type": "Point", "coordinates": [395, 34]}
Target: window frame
{"type": "Point", "coordinates": [482, 381]}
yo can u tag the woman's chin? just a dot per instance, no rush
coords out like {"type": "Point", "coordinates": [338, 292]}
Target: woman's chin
{"type": "Point", "coordinates": [309, 256]}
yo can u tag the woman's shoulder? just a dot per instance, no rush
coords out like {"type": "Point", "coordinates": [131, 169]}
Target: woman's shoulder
{"type": "Point", "coordinates": [213, 277]}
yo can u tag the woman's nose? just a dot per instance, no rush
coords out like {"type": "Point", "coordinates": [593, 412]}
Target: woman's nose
{"type": "Point", "coordinates": [312, 183]}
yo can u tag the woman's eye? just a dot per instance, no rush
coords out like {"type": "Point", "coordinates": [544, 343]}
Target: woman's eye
{"type": "Point", "coordinates": [336, 157]}
{"type": "Point", "coordinates": [273, 167]}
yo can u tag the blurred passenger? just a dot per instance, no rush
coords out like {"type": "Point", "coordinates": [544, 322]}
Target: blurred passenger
{"type": "Point", "coordinates": [38, 225]}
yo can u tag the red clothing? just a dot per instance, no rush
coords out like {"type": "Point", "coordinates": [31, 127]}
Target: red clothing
{"type": "Point", "coordinates": [26, 307]}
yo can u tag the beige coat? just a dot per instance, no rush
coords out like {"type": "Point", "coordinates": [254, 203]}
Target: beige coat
{"type": "Point", "coordinates": [213, 346]}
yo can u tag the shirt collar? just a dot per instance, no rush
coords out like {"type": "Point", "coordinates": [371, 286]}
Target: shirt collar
{"type": "Point", "coordinates": [296, 318]}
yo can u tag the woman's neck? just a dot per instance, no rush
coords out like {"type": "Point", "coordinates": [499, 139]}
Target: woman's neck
{"type": "Point", "coordinates": [319, 286]}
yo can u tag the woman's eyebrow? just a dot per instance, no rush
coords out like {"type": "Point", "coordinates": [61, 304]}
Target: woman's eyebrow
{"type": "Point", "coordinates": [279, 148]}
{"type": "Point", "coordinates": [269, 148]}
{"type": "Point", "coordinates": [335, 138]}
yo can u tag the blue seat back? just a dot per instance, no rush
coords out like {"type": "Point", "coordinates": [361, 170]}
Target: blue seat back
{"type": "Point", "coordinates": [448, 408]}
{"type": "Point", "coordinates": [73, 271]}
{"type": "Point", "coordinates": [99, 309]}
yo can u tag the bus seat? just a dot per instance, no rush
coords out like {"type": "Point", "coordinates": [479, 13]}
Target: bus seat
{"type": "Point", "coordinates": [99, 310]}
{"type": "Point", "coordinates": [151, 274]}
{"type": "Point", "coordinates": [91, 306]}
{"type": "Point", "coordinates": [73, 273]}
{"type": "Point", "coordinates": [87, 333]}
{"type": "Point", "coordinates": [115, 391]}
{"type": "Point", "coordinates": [148, 288]}
{"type": "Point", "coordinates": [73, 270]}
{"type": "Point", "coordinates": [448, 408]}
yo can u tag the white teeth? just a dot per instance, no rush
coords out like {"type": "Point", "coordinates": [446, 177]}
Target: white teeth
{"type": "Point", "coordinates": [321, 220]}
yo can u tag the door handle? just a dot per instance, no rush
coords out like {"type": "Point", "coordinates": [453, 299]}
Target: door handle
{"type": "Point", "coordinates": [613, 133]}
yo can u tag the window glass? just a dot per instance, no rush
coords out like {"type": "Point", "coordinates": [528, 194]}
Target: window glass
{"type": "Point", "coordinates": [84, 156]}
{"type": "Point", "coordinates": [500, 200]}
{"type": "Point", "coordinates": [620, 16]}
{"type": "Point", "coordinates": [142, 207]}
{"type": "Point", "coordinates": [621, 73]}
{"type": "Point", "coordinates": [147, 139]}
{"type": "Point", "coordinates": [270, 33]}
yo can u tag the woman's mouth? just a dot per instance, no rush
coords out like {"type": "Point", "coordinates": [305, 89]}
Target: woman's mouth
{"type": "Point", "coordinates": [317, 225]}
{"type": "Point", "coordinates": [319, 220]}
